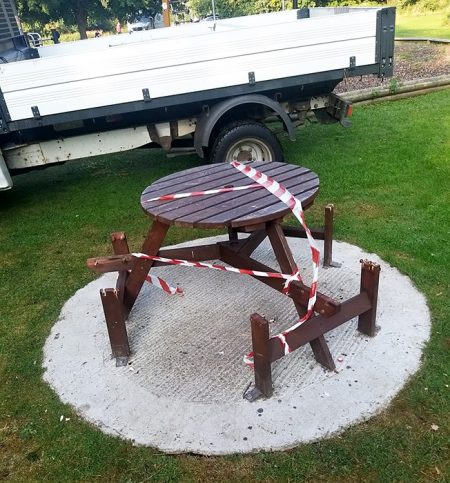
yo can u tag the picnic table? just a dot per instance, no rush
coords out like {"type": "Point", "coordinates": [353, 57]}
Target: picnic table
{"type": "Point", "coordinates": [256, 213]}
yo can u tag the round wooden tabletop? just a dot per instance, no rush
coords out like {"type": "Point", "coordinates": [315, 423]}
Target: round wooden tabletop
{"type": "Point", "coordinates": [230, 209]}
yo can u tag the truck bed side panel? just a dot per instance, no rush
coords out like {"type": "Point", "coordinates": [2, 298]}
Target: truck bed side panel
{"type": "Point", "coordinates": [169, 66]}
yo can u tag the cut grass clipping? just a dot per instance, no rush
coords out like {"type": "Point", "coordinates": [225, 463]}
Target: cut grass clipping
{"type": "Point", "coordinates": [389, 178]}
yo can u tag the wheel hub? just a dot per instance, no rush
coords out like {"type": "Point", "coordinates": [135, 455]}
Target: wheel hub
{"type": "Point", "coordinates": [249, 149]}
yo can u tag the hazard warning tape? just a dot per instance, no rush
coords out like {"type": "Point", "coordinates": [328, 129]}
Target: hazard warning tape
{"type": "Point", "coordinates": [225, 189]}
{"type": "Point", "coordinates": [293, 203]}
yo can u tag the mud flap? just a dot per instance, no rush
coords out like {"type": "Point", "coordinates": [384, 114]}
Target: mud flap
{"type": "Point", "coordinates": [5, 178]}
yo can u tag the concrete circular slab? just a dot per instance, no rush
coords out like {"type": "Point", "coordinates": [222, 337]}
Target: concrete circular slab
{"type": "Point", "coordinates": [182, 391]}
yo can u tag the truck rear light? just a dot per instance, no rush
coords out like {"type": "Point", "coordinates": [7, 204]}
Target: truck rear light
{"type": "Point", "coordinates": [349, 111]}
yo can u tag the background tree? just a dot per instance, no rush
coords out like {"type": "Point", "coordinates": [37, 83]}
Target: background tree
{"type": "Point", "coordinates": [75, 12]}
{"type": "Point", "coordinates": [224, 8]}
{"type": "Point", "coordinates": [83, 12]}
{"type": "Point", "coordinates": [128, 9]}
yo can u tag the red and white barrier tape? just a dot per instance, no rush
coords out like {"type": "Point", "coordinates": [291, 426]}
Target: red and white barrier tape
{"type": "Point", "coordinates": [225, 189]}
{"type": "Point", "coordinates": [295, 206]}
{"type": "Point", "coordinates": [243, 271]}
{"type": "Point", "coordinates": [292, 203]}
{"type": "Point", "coordinates": [163, 285]}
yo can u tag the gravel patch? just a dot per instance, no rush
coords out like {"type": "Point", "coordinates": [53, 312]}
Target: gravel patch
{"type": "Point", "coordinates": [412, 60]}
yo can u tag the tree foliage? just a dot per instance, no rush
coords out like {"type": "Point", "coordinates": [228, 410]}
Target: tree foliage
{"type": "Point", "coordinates": [234, 8]}
{"type": "Point", "coordinates": [103, 13]}
{"type": "Point", "coordinates": [83, 12]}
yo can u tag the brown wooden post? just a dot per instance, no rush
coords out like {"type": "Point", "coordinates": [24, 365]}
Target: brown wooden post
{"type": "Point", "coordinates": [115, 322]}
{"type": "Point", "coordinates": [370, 275]}
{"type": "Point", "coordinates": [119, 243]}
{"type": "Point", "coordinates": [141, 267]}
{"type": "Point", "coordinates": [120, 247]}
{"type": "Point", "coordinates": [328, 236]}
{"type": "Point", "coordinates": [287, 264]}
{"type": "Point", "coordinates": [322, 353]}
{"type": "Point", "coordinates": [166, 12]}
{"type": "Point", "coordinates": [232, 234]}
{"type": "Point", "coordinates": [261, 354]}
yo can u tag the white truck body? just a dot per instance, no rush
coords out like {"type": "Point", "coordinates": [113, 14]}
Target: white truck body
{"type": "Point", "coordinates": [73, 84]}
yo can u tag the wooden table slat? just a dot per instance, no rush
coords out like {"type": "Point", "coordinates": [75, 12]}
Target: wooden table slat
{"type": "Point", "coordinates": [237, 208]}
{"type": "Point", "coordinates": [180, 176]}
{"type": "Point", "coordinates": [266, 214]}
{"type": "Point", "coordinates": [273, 207]}
{"type": "Point", "coordinates": [225, 202]}
{"type": "Point", "coordinates": [247, 203]}
{"type": "Point", "coordinates": [187, 206]}
{"type": "Point", "coordinates": [196, 176]}
{"type": "Point", "coordinates": [234, 178]}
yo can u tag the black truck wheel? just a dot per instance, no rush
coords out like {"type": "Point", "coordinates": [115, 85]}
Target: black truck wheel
{"type": "Point", "coordinates": [245, 141]}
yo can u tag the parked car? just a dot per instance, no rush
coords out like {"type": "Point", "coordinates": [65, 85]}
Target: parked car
{"type": "Point", "coordinates": [210, 18]}
{"type": "Point", "coordinates": [140, 23]}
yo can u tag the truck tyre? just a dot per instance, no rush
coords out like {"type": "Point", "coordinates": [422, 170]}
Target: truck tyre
{"type": "Point", "coordinates": [245, 141]}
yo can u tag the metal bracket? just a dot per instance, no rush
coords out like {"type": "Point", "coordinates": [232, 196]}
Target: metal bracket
{"type": "Point", "coordinates": [302, 13]}
{"type": "Point", "coordinates": [251, 78]}
{"type": "Point", "coordinates": [352, 62]}
{"type": "Point", "coordinates": [36, 113]}
{"type": "Point", "coordinates": [146, 94]}
{"type": "Point", "coordinates": [121, 361]}
{"type": "Point", "coordinates": [252, 393]}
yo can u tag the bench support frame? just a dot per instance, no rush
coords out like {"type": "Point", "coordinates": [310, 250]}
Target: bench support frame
{"type": "Point", "coordinates": [329, 314]}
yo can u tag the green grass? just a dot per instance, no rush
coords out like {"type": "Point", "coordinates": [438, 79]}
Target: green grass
{"type": "Point", "coordinates": [430, 24]}
{"type": "Point", "coordinates": [389, 179]}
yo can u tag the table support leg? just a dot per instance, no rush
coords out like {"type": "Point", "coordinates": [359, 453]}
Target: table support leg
{"type": "Point", "coordinates": [287, 264]}
{"type": "Point", "coordinates": [141, 267]}
{"type": "Point", "coordinates": [370, 275]}
{"type": "Point", "coordinates": [322, 353]}
{"type": "Point", "coordinates": [232, 234]}
{"type": "Point", "coordinates": [115, 322]}
{"type": "Point", "coordinates": [261, 354]}
{"type": "Point", "coordinates": [120, 247]}
{"type": "Point", "coordinates": [325, 234]}
{"type": "Point", "coordinates": [252, 242]}
{"type": "Point", "coordinates": [328, 236]}
{"type": "Point", "coordinates": [119, 243]}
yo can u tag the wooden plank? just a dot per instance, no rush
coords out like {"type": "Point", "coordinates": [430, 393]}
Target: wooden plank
{"type": "Point", "coordinates": [178, 177]}
{"type": "Point", "coordinates": [119, 243]}
{"type": "Point", "coordinates": [199, 173]}
{"type": "Point", "coordinates": [114, 263]}
{"type": "Point", "coordinates": [141, 267]}
{"type": "Point", "coordinates": [287, 264]}
{"type": "Point", "coordinates": [196, 254]}
{"type": "Point", "coordinates": [298, 232]}
{"type": "Point", "coordinates": [185, 207]}
{"type": "Point", "coordinates": [261, 354]}
{"type": "Point", "coordinates": [328, 236]}
{"type": "Point", "coordinates": [244, 205]}
{"type": "Point", "coordinates": [251, 243]}
{"type": "Point", "coordinates": [299, 291]}
{"type": "Point", "coordinates": [322, 353]}
{"type": "Point", "coordinates": [370, 275]}
{"type": "Point", "coordinates": [321, 324]}
{"type": "Point", "coordinates": [254, 202]}
{"type": "Point", "coordinates": [115, 322]}
{"type": "Point", "coordinates": [120, 247]}
{"type": "Point", "coordinates": [234, 178]}
{"type": "Point", "coordinates": [278, 209]}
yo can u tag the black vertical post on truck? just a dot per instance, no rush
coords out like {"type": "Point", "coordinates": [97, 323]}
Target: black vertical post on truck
{"type": "Point", "coordinates": [13, 43]}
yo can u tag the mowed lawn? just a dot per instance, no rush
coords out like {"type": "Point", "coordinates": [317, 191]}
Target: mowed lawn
{"type": "Point", "coordinates": [389, 177]}
{"type": "Point", "coordinates": [430, 24]}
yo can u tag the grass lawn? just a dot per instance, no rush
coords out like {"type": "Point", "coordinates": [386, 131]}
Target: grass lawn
{"type": "Point", "coordinates": [389, 177]}
{"type": "Point", "coordinates": [430, 24]}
